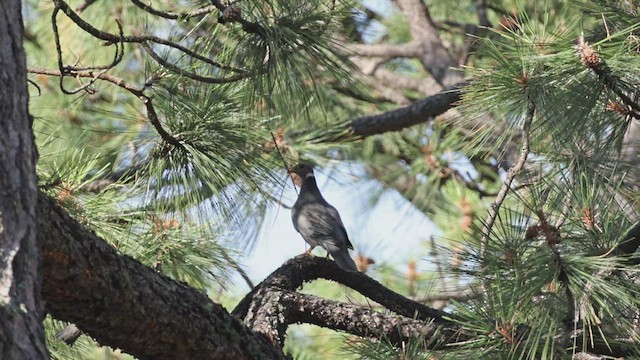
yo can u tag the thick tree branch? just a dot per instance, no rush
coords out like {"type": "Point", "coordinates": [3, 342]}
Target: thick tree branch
{"type": "Point", "coordinates": [418, 112]}
{"type": "Point", "coordinates": [293, 273]}
{"type": "Point", "coordinates": [434, 56]}
{"type": "Point", "coordinates": [353, 319]}
{"type": "Point", "coordinates": [111, 296]}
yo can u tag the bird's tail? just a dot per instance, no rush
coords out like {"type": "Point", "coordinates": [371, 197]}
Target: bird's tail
{"type": "Point", "coordinates": [343, 260]}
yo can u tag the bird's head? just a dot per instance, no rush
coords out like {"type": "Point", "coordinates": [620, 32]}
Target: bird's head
{"type": "Point", "coordinates": [300, 172]}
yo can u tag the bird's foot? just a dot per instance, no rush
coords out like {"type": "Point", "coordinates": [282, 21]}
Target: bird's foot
{"type": "Point", "coordinates": [308, 252]}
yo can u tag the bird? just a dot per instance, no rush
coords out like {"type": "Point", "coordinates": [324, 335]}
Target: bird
{"type": "Point", "coordinates": [317, 221]}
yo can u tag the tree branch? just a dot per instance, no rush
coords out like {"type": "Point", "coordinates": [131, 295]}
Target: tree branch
{"type": "Point", "coordinates": [293, 273]}
{"type": "Point", "coordinates": [418, 112]}
{"type": "Point", "coordinates": [112, 38]}
{"type": "Point", "coordinates": [173, 16]}
{"type": "Point", "coordinates": [511, 174]}
{"type": "Point", "coordinates": [353, 319]}
{"type": "Point", "coordinates": [434, 56]}
{"type": "Point", "coordinates": [111, 296]}
{"type": "Point", "coordinates": [139, 92]}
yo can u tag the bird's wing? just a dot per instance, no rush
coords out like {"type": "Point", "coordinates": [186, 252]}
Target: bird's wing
{"type": "Point", "coordinates": [322, 223]}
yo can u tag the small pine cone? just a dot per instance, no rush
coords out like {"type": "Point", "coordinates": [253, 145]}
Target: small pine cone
{"type": "Point", "coordinates": [230, 14]}
{"type": "Point", "coordinates": [588, 55]}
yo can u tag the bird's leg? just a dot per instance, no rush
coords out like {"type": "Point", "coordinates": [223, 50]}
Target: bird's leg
{"type": "Point", "coordinates": [308, 251]}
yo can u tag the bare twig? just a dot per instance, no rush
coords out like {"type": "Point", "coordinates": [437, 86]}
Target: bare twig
{"type": "Point", "coordinates": [173, 16]}
{"type": "Point", "coordinates": [151, 113]}
{"type": "Point", "coordinates": [511, 174]}
{"type": "Point", "coordinates": [64, 70]}
{"type": "Point", "coordinates": [112, 38]}
{"type": "Point", "coordinates": [155, 121]}
{"type": "Point", "coordinates": [89, 74]}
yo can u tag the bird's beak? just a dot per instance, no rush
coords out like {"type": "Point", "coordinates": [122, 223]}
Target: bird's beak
{"type": "Point", "coordinates": [297, 180]}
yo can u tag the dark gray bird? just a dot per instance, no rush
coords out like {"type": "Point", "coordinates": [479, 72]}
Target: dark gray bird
{"type": "Point", "coordinates": [318, 222]}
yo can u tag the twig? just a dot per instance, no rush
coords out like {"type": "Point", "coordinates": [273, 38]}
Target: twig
{"type": "Point", "coordinates": [36, 86]}
{"type": "Point", "coordinates": [173, 16]}
{"type": "Point", "coordinates": [64, 70]}
{"type": "Point", "coordinates": [151, 113]}
{"type": "Point", "coordinates": [89, 74]}
{"type": "Point", "coordinates": [511, 174]}
{"type": "Point", "coordinates": [189, 74]}
{"type": "Point", "coordinates": [112, 38]}
{"type": "Point", "coordinates": [153, 117]}
{"type": "Point", "coordinates": [419, 112]}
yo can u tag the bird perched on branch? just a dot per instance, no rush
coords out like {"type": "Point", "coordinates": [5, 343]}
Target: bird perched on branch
{"type": "Point", "coordinates": [318, 222]}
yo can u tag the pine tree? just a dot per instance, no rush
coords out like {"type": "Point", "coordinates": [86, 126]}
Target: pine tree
{"type": "Point", "coordinates": [162, 126]}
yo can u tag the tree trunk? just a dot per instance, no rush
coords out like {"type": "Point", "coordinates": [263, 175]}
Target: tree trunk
{"type": "Point", "coordinates": [21, 330]}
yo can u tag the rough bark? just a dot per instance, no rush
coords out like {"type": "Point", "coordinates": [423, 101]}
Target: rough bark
{"type": "Point", "coordinates": [419, 112]}
{"type": "Point", "coordinates": [124, 304]}
{"type": "Point", "coordinates": [293, 273]}
{"type": "Point", "coordinates": [21, 330]}
{"type": "Point", "coordinates": [275, 309]}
